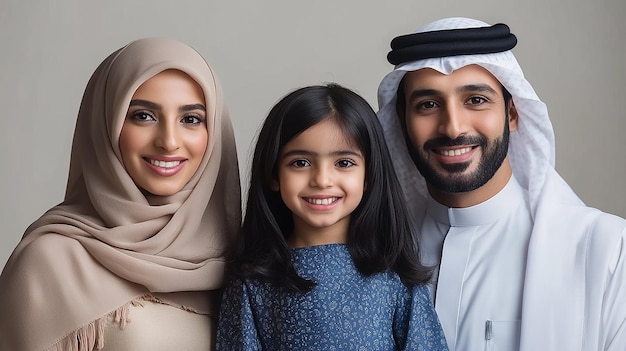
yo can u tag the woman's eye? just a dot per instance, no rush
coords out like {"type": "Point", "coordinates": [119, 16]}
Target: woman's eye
{"type": "Point", "coordinates": [143, 116]}
{"type": "Point", "coordinates": [192, 119]}
{"type": "Point", "coordinates": [345, 163]}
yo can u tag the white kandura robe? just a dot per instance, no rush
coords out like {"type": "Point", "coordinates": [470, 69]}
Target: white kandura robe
{"type": "Point", "coordinates": [479, 290]}
{"type": "Point", "coordinates": [496, 287]}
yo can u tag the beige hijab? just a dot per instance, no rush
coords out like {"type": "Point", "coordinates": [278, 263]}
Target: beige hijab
{"type": "Point", "coordinates": [108, 243]}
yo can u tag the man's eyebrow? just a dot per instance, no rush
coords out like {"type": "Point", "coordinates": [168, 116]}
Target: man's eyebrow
{"type": "Point", "coordinates": [485, 88]}
{"type": "Point", "coordinates": [418, 93]}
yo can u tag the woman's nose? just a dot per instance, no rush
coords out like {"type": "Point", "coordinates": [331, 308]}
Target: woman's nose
{"type": "Point", "coordinates": [167, 138]}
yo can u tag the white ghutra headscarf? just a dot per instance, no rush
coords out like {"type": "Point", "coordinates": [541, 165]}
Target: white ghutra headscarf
{"type": "Point", "coordinates": [531, 150]}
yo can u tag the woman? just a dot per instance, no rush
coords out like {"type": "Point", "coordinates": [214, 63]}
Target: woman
{"type": "Point", "coordinates": [133, 256]}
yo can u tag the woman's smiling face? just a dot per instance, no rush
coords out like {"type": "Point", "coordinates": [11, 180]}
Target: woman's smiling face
{"type": "Point", "coordinates": [164, 136]}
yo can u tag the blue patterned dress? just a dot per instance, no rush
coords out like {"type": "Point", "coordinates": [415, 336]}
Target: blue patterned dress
{"type": "Point", "coordinates": [345, 311]}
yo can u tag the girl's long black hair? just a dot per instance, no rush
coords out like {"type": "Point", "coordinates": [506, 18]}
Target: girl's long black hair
{"type": "Point", "coordinates": [380, 238]}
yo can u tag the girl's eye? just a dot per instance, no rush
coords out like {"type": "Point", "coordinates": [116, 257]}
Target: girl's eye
{"type": "Point", "coordinates": [345, 163]}
{"type": "Point", "coordinates": [192, 119]}
{"type": "Point", "coordinates": [300, 163]}
{"type": "Point", "coordinates": [143, 116]}
{"type": "Point", "coordinates": [476, 100]}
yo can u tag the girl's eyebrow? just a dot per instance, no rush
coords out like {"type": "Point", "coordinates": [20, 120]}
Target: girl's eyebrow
{"type": "Point", "coordinates": [154, 106]}
{"type": "Point", "coordinates": [303, 152]}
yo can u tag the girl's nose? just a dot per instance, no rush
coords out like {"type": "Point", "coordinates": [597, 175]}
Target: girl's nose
{"type": "Point", "coordinates": [322, 177]}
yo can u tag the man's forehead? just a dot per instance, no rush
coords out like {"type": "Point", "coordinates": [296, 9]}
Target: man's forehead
{"type": "Point", "coordinates": [428, 78]}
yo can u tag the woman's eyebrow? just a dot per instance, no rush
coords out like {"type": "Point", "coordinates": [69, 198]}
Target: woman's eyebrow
{"type": "Point", "coordinates": [155, 106]}
{"type": "Point", "coordinates": [192, 107]}
{"type": "Point", "coordinates": [145, 103]}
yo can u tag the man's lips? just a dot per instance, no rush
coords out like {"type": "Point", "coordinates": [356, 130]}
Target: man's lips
{"type": "Point", "coordinates": [454, 152]}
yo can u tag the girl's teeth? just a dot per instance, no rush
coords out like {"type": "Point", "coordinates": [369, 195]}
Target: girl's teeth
{"type": "Point", "coordinates": [326, 201]}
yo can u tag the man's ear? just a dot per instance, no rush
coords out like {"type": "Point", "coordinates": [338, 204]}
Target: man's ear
{"type": "Point", "coordinates": [513, 116]}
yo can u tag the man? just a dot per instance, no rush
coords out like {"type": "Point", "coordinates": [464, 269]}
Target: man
{"type": "Point", "coordinates": [522, 263]}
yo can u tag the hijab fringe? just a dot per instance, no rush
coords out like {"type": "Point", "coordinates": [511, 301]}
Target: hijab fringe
{"type": "Point", "coordinates": [91, 336]}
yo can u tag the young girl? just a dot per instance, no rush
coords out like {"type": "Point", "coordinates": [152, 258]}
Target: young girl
{"type": "Point", "coordinates": [133, 257]}
{"type": "Point", "coordinates": [325, 259]}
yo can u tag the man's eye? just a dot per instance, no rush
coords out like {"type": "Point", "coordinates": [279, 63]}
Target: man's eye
{"type": "Point", "coordinates": [427, 105]}
{"type": "Point", "coordinates": [476, 100]}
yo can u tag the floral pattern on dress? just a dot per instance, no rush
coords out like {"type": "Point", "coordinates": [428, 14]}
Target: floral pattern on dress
{"type": "Point", "coordinates": [345, 311]}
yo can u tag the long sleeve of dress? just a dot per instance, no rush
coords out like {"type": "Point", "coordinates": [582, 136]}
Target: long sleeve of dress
{"type": "Point", "coordinates": [236, 328]}
{"type": "Point", "coordinates": [416, 325]}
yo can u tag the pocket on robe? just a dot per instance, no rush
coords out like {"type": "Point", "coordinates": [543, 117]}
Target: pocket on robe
{"type": "Point", "coordinates": [502, 335]}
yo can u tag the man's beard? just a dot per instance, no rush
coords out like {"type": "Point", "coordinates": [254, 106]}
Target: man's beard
{"type": "Point", "coordinates": [454, 181]}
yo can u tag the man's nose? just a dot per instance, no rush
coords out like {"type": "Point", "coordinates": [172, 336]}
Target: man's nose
{"type": "Point", "coordinates": [453, 121]}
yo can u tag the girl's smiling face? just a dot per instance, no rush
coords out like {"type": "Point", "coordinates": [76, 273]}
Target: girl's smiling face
{"type": "Point", "coordinates": [321, 177]}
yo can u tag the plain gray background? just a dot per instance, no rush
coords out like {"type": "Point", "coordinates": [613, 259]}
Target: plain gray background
{"type": "Point", "coordinates": [572, 52]}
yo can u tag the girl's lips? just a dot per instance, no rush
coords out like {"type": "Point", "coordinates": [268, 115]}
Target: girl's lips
{"type": "Point", "coordinates": [321, 203]}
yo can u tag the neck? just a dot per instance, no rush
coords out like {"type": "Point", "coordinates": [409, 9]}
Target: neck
{"type": "Point", "coordinates": [477, 196]}
{"type": "Point", "coordinates": [304, 235]}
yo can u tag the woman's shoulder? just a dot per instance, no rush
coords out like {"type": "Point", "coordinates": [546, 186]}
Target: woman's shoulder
{"type": "Point", "coordinates": [50, 248]}
{"type": "Point", "coordinates": [46, 260]}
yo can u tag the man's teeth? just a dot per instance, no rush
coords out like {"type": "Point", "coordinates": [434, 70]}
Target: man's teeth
{"type": "Point", "coordinates": [165, 164]}
{"type": "Point", "coordinates": [455, 152]}
{"type": "Point", "coordinates": [326, 201]}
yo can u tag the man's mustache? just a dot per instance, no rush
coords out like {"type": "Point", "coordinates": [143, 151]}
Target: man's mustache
{"type": "Point", "coordinates": [460, 141]}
